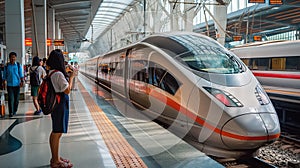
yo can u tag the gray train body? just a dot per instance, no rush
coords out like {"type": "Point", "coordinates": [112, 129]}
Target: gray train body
{"type": "Point", "coordinates": [200, 90]}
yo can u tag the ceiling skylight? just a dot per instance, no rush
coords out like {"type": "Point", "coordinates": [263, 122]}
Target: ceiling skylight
{"type": "Point", "coordinates": [108, 12]}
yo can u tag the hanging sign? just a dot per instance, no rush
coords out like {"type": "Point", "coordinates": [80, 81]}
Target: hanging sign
{"type": "Point", "coordinates": [256, 1]}
{"type": "Point", "coordinates": [59, 43]}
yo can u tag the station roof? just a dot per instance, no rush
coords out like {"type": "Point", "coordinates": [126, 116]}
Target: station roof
{"type": "Point", "coordinates": [263, 19]}
{"type": "Point", "coordinates": [75, 17]}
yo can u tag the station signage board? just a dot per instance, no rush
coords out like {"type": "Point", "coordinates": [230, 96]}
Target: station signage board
{"type": "Point", "coordinates": [59, 43]}
{"type": "Point", "coordinates": [257, 38]}
{"type": "Point", "coordinates": [276, 2]}
{"type": "Point", "coordinates": [28, 42]}
{"type": "Point", "coordinates": [256, 1]}
{"type": "Point", "coordinates": [237, 38]}
{"type": "Point", "coordinates": [271, 2]}
{"type": "Point", "coordinates": [49, 42]}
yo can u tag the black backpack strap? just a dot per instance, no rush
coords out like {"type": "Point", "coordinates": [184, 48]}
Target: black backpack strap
{"type": "Point", "coordinates": [35, 68]}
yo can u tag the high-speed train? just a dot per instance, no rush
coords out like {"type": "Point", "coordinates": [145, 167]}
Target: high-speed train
{"type": "Point", "coordinates": [274, 63]}
{"type": "Point", "coordinates": [190, 82]}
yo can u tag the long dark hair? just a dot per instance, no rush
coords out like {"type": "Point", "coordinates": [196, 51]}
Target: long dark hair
{"type": "Point", "coordinates": [36, 61]}
{"type": "Point", "coordinates": [56, 61]}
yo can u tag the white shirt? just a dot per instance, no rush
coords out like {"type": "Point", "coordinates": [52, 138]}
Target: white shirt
{"type": "Point", "coordinates": [59, 81]}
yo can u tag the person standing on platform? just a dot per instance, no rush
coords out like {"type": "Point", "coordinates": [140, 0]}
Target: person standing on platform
{"type": "Point", "coordinates": [69, 68]}
{"type": "Point", "coordinates": [60, 115]}
{"type": "Point", "coordinates": [37, 73]}
{"type": "Point", "coordinates": [76, 69]}
{"type": "Point", "coordinates": [13, 77]}
{"type": "Point", "coordinates": [44, 64]}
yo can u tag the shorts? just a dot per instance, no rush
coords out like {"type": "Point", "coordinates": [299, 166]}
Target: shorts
{"type": "Point", "coordinates": [34, 90]}
{"type": "Point", "coordinates": [60, 115]}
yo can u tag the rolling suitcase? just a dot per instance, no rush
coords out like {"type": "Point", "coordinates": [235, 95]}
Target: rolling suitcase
{"type": "Point", "coordinates": [2, 104]}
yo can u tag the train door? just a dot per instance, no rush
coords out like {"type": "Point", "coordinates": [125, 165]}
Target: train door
{"type": "Point", "coordinates": [153, 88]}
{"type": "Point", "coordinates": [98, 69]}
{"type": "Point", "coordinates": [126, 72]}
{"type": "Point", "coordinates": [137, 78]}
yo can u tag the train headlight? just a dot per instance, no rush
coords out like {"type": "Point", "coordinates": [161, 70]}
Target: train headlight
{"type": "Point", "coordinates": [261, 95]}
{"type": "Point", "coordinates": [226, 98]}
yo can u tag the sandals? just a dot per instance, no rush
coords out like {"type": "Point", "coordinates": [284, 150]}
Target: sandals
{"type": "Point", "coordinates": [62, 159]}
{"type": "Point", "coordinates": [65, 163]}
{"type": "Point", "coordinates": [61, 165]}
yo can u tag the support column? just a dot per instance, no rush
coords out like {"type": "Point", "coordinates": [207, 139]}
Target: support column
{"type": "Point", "coordinates": [15, 28]}
{"type": "Point", "coordinates": [51, 28]}
{"type": "Point", "coordinates": [39, 29]}
{"type": "Point", "coordinates": [58, 35]}
{"type": "Point", "coordinates": [220, 14]}
{"type": "Point", "coordinates": [188, 15]}
{"type": "Point", "coordinates": [174, 17]}
{"type": "Point", "coordinates": [57, 31]}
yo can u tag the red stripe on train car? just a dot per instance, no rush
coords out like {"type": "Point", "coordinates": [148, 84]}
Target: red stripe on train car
{"type": "Point", "coordinates": [277, 75]}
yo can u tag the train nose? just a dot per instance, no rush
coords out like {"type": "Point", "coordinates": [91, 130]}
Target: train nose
{"type": "Point", "coordinates": [272, 125]}
{"type": "Point", "coordinates": [250, 131]}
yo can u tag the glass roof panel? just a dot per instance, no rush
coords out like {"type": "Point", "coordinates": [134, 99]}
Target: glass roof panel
{"type": "Point", "coordinates": [108, 12]}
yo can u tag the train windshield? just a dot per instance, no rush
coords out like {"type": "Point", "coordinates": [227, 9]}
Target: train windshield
{"type": "Point", "coordinates": [202, 54]}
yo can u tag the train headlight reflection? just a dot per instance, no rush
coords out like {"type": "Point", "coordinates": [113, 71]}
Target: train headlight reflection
{"type": "Point", "coordinates": [226, 98]}
{"type": "Point", "coordinates": [261, 95]}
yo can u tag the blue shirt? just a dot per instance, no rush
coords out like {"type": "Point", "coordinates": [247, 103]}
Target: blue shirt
{"type": "Point", "coordinates": [12, 74]}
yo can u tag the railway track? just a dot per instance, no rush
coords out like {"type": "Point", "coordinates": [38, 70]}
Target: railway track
{"type": "Point", "coordinates": [284, 153]}
{"type": "Point", "coordinates": [249, 162]}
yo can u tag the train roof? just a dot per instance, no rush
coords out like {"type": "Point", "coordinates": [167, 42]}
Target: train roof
{"type": "Point", "coordinates": [162, 40]}
{"type": "Point", "coordinates": [268, 49]}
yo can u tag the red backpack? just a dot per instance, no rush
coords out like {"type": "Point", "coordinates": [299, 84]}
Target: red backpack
{"type": "Point", "coordinates": [48, 99]}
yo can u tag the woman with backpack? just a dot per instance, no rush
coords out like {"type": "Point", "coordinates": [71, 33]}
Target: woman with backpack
{"type": "Point", "coordinates": [60, 115]}
{"type": "Point", "coordinates": [36, 73]}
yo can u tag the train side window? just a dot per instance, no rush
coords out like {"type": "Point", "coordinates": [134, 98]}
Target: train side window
{"type": "Point", "coordinates": [112, 67]}
{"type": "Point", "coordinates": [246, 61]}
{"type": "Point", "coordinates": [138, 70]}
{"type": "Point", "coordinates": [119, 69]}
{"type": "Point", "coordinates": [170, 84]}
{"type": "Point", "coordinates": [293, 63]}
{"type": "Point", "coordinates": [140, 76]}
{"type": "Point", "coordinates": [158, 74]}
{"type": "Point", "coordinates": [259, 64]}
{"type": "Point", "coordinates": [159, 77]}
{"type": "Point", "coordinates": [104, 68]}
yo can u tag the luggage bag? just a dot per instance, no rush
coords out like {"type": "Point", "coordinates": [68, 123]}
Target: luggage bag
{"type": "Point", "coordinates": [2, 104]}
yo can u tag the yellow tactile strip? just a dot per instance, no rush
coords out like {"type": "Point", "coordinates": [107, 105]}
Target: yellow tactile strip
{"type": "Point", "coordinates": [121, 151]}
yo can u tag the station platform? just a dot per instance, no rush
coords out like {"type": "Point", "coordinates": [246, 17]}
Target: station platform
{"type": "Point", "coordinates": [99, 136]}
